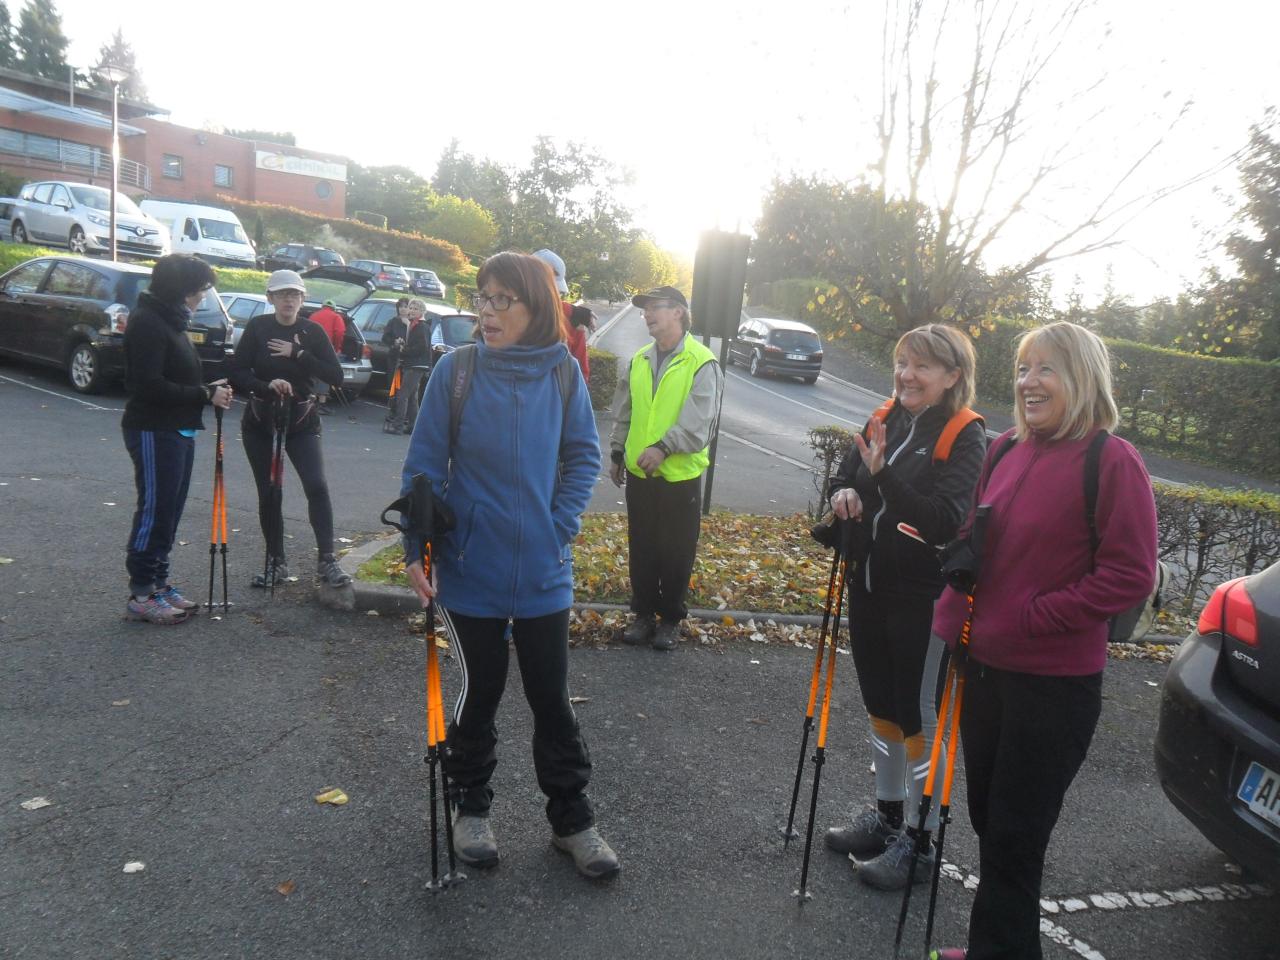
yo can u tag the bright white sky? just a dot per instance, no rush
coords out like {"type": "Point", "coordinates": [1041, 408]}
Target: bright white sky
{"type": "Point", "coordinates": [703, 103]}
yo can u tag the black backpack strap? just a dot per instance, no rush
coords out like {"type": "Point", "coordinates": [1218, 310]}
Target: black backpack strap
{"type": "Point", "coordinates": [1092, 461]}
{"type": "Point", "coordinates": [566, 371]}
{"type": "Point", "coordinates": [999, 453]}
{"type": "Point", "coordinates": [464, 368]}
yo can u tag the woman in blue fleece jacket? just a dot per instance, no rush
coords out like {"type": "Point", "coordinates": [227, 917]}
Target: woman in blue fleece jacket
{"type": "Point", "coordinates": [517, 476]}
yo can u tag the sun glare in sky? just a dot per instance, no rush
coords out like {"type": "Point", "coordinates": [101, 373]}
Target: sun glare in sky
{"type": "Point", "coordinates": [706, 104]}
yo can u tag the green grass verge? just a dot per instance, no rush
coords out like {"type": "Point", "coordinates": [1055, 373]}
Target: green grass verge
{"type": "Point", "coordinates": [745, 562]}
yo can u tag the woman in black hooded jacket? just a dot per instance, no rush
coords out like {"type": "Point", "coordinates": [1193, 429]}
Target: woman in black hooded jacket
{"type": "Point", "coordinates": [906, 488]}
{"type": "Point", "coordinates": [161, 417]}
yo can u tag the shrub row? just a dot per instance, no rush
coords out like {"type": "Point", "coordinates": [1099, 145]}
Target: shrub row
{"type": "Point", "coordinates": [284, 224]}
{"type": "Point", "coordinates": [1208, 408]}
{"type": "Point", "coordinates": [1206, 536]}
{"type": "Point", "coordinates": [604, 378]}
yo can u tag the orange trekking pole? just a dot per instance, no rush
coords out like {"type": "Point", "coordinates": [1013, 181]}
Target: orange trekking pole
{"type": "Point", "coordinates": [824, 711]}
{"type": "Point", "coordinates": [788, 832]}
{"type": "Point", "coordinates": [961, 568]}
{"type": "Point", "coordinates": [218, 525]}
{"type": "Point", "coordinates": [423, 517]}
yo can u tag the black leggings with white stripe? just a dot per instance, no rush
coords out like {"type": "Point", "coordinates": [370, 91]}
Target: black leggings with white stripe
{"type": "Point", "coordinates": [560, 756]}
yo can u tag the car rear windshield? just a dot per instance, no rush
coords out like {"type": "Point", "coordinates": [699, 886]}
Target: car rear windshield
{"type": "Point", "coordinates": [345, 295]}
{"type": "Point", "coordinates": [458, 329]}
{"type": "Point", "coordinates": [223, 230]}
{"type": "Point", "coordinates": [798, 340]}
{"type": "Point", "coordinates": [325, 257]}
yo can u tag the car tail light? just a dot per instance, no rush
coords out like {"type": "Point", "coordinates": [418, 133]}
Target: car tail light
{"type": "Point", "coordinates": [770, 348]}
{"type": "Point", "coordinates": [366, 351]}
{"type": "Point", "coordinates": [1230, 611]}
{"type": "Point", "coordinates": [117, 318]}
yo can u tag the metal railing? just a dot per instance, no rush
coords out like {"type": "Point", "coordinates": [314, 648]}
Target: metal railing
{"type": "Point", "coordinates": [73, 157]}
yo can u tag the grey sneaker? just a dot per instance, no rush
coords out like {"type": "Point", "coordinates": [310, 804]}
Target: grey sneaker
{"type": "Point", "coordinates": [867, 837]}
{"type": "Point", "coordinates": [170, 595]}
{"type": "Point", "coordinates": [641, 632]}
{"type": "Point", "coordinates": [889, 870]}
{"type": "Point", "coordinates": [329, 573]}
{"type": "Point", "coordinates": [666, 636]}
{"type": "Point", "coordinates": [154, 609]}
{"type": "Point", "coordinates": [591, 855]}
{"type": "Point", "coordinates": [281, 571]}
{"type": "Point", "coordinates": [473, 841]}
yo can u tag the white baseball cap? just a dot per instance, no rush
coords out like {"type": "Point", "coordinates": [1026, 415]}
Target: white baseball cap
{"type": "Point", "coordinates": [552, 260]}
{"type": "Point", "coordinates": [285, 280]}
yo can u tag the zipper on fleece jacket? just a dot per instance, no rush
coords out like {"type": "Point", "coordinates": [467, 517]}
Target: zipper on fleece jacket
{"type": "Point", "coordinates": [884, 504]}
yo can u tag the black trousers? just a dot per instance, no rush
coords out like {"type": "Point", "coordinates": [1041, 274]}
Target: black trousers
{"type": "Point", "coordinates": [663, 521]}
{"type": "Point", "coordinates": [1024, 739]}
{"type": "Point", "coordinates": [304, 453]}
{"type": "Point", "coordinates": [889, 634]}
{"type": "Point", "coordinates": [560, 757]}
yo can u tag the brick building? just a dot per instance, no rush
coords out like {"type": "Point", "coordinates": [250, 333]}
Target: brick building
{"type": "Point", "coordinates": [45, 135]}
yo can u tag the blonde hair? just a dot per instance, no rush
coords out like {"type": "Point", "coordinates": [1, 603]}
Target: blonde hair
{"type": "Point", "coordinates": [418, 302]}
{"type": "Point", "coordinates": [951, 349]}
{"type": "Point", "coordinates": [1084, 367]}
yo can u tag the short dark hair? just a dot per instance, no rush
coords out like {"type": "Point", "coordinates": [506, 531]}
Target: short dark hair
{"type": "Point", "coordinates": [177, 276]}
{"type": "Point", "coordinates": [402, 304]}
{"type": "Point", "coordinates": [533, 283]}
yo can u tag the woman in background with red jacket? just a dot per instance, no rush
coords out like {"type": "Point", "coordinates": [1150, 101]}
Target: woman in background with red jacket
{"type": "Point", "coordinates": [1033, 680]}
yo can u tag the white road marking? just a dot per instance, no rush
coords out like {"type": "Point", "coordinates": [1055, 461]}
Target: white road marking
{"type": "Point", "coordinates": [61, 396]}
{"type": "Point", "coordinates": [765, 450]}
{"type": "Point", "coordinates": [1110, 900]}
{"type": "Point", "coordinates": [858, 424]}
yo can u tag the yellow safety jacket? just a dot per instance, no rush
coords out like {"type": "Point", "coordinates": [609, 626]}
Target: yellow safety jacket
{"type": "Point", "coordinates": [653, 414]}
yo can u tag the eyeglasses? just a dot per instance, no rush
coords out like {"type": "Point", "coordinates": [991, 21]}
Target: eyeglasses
{"type": "Point", "coordinates": [658, 305]}
{"type": "Point", "coordinates": [287, 294]}
{"type": "Point", "coordinates": [499, 301]}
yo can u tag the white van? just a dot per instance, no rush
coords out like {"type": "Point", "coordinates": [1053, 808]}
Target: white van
{"type": "Point", "coordinates": [210, 233]}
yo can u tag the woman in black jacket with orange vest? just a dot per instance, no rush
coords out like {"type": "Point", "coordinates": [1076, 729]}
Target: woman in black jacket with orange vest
{"type": "Point", "coordinates": [166, 398]}
{"type": "Point", "coordinates": [906, 488]}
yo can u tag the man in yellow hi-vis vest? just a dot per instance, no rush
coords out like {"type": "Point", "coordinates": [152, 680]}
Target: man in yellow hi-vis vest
{"type": "Point", "coordinates": [664, 414]}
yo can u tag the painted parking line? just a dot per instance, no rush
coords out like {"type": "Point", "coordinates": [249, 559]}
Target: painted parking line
{"type": "Point", "coordinates": [1051, 910]}
{"type": "Point", "coordinates": [61, 396]}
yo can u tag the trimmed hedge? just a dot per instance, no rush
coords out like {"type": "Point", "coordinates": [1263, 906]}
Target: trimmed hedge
{"type": "Point", "coordinates": [1208, 408]}
{"type": "Point", "coordinates": [284, 224]}
{"type": "Point", "coordinates": [604, 377]}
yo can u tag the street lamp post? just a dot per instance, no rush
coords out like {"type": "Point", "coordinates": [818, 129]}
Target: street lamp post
{"type": "Point", "coordinates": [114, 75]}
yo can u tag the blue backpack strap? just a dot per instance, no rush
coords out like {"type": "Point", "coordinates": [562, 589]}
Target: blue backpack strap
{"type": "Point", "coordinates": [464, 368]}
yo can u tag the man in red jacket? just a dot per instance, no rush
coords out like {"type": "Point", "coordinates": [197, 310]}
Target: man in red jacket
{"type": "Point", "coordinates": [331, 322]}
{"type": "Point", "coordinates": [574, 327]}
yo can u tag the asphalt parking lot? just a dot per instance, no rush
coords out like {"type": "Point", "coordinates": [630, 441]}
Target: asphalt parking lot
{"type": "Point", "coordinates": [197, 751]}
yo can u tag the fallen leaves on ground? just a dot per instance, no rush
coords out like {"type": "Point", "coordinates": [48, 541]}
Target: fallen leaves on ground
{"type": "Point", "coordinates": [286, 888]}
{"type": "Point", "coordinates": [331, 795]}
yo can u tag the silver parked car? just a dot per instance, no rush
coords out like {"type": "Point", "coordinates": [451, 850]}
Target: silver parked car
{"type": "Point", "coordinates": [78, 217]}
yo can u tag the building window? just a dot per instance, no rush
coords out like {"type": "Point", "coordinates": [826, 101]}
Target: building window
{"type": "Point", "coordinates": [171, 166]}
{"type": "Point", "coordinates": [223, 176]}
{"type": "Point", "coordinates": [324, 190]}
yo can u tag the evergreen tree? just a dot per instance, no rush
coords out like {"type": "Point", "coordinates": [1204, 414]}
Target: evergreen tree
{"type": "Point", "coordinates": [8, 58]}
{"type": "Point", "coordinates": [119, 53]}
{"type": "Point", "coordinates": [41, 44]}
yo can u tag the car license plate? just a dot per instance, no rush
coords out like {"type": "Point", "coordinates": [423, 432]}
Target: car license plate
{"type": "Point", "coordinates": [1260, 791]}
{"type": "Point", "coordinates": [796, 356]}
{"type": "Point", "coordinates": [348, 374]}
{"type": "Point", "coordinates": [195, 336]}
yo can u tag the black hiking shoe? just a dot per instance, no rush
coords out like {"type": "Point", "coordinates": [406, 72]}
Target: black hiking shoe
{"type": "Point", "coordinates": [329, 573]}
{"type": "Point", "coordinates": [666, 636]}
{"type": "Point", "coordinates": [889, 870]}
{"type": "Point", "coordinates": [866, 838]}
{"type": "Point", "coordinates": [641, 632]}
{"type": "Point", "coordinates": [279, 573]}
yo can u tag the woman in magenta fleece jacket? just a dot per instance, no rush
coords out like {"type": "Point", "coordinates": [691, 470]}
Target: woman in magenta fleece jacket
{"type": "Point", "coordinates": [1033, 681]}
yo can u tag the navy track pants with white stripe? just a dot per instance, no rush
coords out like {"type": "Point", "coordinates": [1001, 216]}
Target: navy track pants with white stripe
{"type": "Point", "coordinates": [162, 462]}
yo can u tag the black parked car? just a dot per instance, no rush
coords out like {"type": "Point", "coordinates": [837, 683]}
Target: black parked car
{"type": "Point", "coordinates": [425, 283]}
{"type": "Point", "coordinates": [787, 347]}
{"type": "Point", "coordinates": [372, 316]}
{"type": "Point", "coordinates": [299, 256]}
{"type": "Point", "coordinates": [386, 276]}
{"type": "Point", "coordinates": [1218, 743]}
{"type": "Point", "coordinates": [71, 312]}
